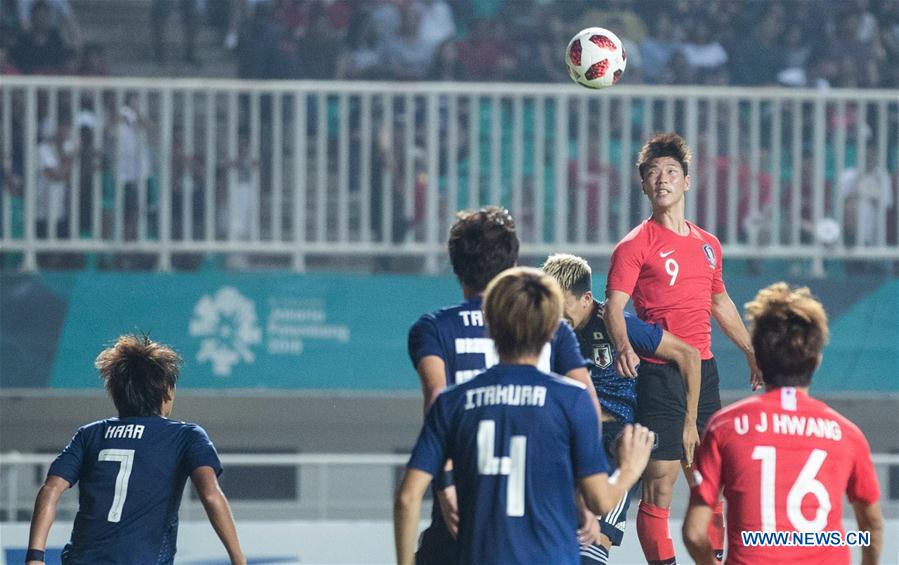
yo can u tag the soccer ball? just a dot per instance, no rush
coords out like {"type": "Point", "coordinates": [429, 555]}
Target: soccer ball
{"type": "Point", "coordinates": [595, 58]}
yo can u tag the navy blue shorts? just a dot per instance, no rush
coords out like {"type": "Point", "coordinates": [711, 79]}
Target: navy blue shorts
{"type": "Point", "coordinates": [613, 524]}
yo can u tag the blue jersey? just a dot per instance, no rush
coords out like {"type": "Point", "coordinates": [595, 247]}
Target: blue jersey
{"type": "Point", "coordinates": [457, 335]}
{"type": "Point", "coordinates": [132, 473]}
{"type": "Point", "coordinates": [617, 394]}
{"type": "Point", "coordinates": [518, 439]}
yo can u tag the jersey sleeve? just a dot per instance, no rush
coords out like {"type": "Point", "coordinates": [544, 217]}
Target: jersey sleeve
{"type": "Point", "coordinates": [429, 453]}
{"type": "Point", "coordinates": [566, 352]}
{"type": "Point", "coordinates": [67, 464]}
{"type": "Point", "coordinates": [588, 457]}
{"type": "Point", "coordinates": [644, 337]}
{"type": "Point", "coordinates": [707, 468]}
{"type": "Point", "coordinates": [863, 485]}
{"type": "Point", "coordinates": [718, 277]}
{"type": "Point", "coordinates": [624, 269]}
{"type": "Point", "coordinates": [424, 340]}
{"type": "Point", "coordinates": [200, 452]}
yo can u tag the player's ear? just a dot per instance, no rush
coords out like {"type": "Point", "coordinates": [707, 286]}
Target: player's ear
{"type": "Point", "coordinates": [588, 296]}
{"type": "Point", "coordinates": [686, 183]}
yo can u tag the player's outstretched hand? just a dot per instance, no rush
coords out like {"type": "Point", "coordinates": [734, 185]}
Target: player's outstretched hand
{"type": "Point", "coordinates": [691, 440]}
{"type": "Point", "coordinates": [449, 507]}
{"type": "Point", "coordinates": [627, 363]}
{"type": "Point", "coordinates": [755, 374]}
{"type": "Point", "coordinates": [634, 447]}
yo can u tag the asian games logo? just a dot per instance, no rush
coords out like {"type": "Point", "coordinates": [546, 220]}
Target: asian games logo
{"type": "Point", "coordinates": [229, 327]}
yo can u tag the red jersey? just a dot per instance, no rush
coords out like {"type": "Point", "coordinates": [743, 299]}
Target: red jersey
{"type": "Point", "coordinates": [671, 279]}
{"type": "Point", "coordinates": [784, 461]}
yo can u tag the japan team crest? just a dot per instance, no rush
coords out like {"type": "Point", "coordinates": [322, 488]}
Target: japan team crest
{"type": "Point", "coordinates": [709, 255]}
{"type": "Point", "coordinates": [602, 355]}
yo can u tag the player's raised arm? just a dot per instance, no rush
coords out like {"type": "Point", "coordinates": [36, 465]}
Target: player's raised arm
{"type": "Point", "coordinates": [43, 516]}
{"type": "Point", "coordinates": [728, 317]}
{"type": "Point", "coordinates": [218, 511]}
{"type": "Point", "coordinates": [614, 319]}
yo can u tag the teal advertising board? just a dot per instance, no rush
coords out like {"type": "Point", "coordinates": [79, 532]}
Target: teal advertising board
{"type": "Point", "coordinates": [337, 332]}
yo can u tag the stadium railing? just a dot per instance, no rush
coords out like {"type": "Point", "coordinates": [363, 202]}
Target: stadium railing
{"type": "Point", "coordinates": [163, 167]}
{"type": "Point", "coordinates": [324, 486]}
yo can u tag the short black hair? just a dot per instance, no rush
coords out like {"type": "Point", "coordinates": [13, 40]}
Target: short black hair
{"type": "Point", "coordinates": [482, 244]}
{"type": "Point", "coordinates": [664, 145]}
{"type": "Point", "coordinates": [139, 374]}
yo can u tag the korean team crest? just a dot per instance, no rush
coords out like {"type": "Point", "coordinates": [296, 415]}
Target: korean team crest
{"type": "Point", "coordinates": [602, 355]}
{"type": "Point", "coordinates": [709, 255]}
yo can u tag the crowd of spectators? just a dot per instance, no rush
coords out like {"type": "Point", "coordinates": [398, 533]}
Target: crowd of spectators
{"type": "Point", "coordinates": [818, 43]}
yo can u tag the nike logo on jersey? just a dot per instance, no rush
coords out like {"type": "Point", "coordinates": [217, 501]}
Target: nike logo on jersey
{"type": "Point", "coordinates": [665, 254]}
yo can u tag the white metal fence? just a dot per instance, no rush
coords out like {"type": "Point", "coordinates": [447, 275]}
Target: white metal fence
{"type": "Point", "coordinates": [325, 486]}
{"type": "Point", "coordinates": [347, 168]}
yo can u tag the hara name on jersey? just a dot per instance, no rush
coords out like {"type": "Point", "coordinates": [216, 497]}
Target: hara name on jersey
{"type": "Point", "coordinates": [130, 474]}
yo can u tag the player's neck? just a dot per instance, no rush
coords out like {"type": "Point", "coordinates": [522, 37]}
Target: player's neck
{"type": "Point", "coordinates": [520, 359]}
{"type": "Point", "coordinates": [802, 389]}
{"type": "Point", "coordinates": [672, 218]}
{"type": "Point", "coordinates": [468, 293]}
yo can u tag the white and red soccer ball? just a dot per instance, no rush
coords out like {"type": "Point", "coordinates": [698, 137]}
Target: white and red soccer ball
{"type": "Point", "coordinates": [595, 58]}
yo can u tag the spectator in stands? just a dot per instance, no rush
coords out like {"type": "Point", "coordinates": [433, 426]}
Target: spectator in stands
{"type": "Point", "coordinates": [190, 15]}
{"type": "Point", "coordinates": [759, 55]}
{"type": "Point", "coordinates": [658, 47]}
{"type": "Point", "coordinates": [132, 160]}
{"type": "Point", "coordinates": [93, 61]}
{"type": "Point", "coordinates": [258, 44]}
{"type": "Point", "coordinates": [321, 44]}
{"type": "Point", "coordinates": [407, 55]}
{"type": "Point", "coordinates": [41, 49]}
{"type": "Point", "coordinates": [485, 56]}
{"type": "Point", "coordinates": [10, 24]}
{"type": "Point", "coordinates": [704, 54]}
{"type": "Point", "coordinates": [243, 195]}
{"type": "Point", "coordinates": [867, 195]}
{"type": "Point", "coordinates": [55, 156]}
{"type": "Point", "coordinates": [860, 48]}
{"type": "Point", "coordinates": [889, 38]}
{"type": "Point", "coordinates": [7, 67]}
{"type": "Point", "coordinates": [362, 58]}
{"type": "Point", "coordinates": [61, 17]}
{"type": "Point", "coordinates": [552, 36]}
{"type": "Point", "coordinates": [437, 24]}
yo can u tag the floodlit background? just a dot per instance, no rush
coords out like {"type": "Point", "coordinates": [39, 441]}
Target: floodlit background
{"type": "Point", "coordinates": [267, 185]}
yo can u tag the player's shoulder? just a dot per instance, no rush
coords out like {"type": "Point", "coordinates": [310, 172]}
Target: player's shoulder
{"type": "Point", "coordinates": [636, 236]}
{"type": "Point", "coordinates": [704, 235]}
{"type": "Point", "coordinates": [564, 382]}
{"type": "Point", "coordinates": [847, 426]}
{"type": "Point", "coordinates": [450, 312]}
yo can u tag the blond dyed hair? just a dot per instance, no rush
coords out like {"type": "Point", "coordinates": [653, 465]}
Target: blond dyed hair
{"type": "Point", "coordinates": [522, 308]}
{"type": "Point", "coordinates": [789, 330]}
{"type": "Point", "coordinates": [573, 273]}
